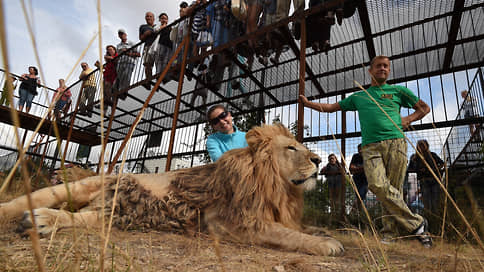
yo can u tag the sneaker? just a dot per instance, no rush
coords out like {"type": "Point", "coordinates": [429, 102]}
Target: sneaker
{"type": "Point", "coordinates": [422, 234]}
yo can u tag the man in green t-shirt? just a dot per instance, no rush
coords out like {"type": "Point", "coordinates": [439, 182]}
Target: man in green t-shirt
{"type": "Point", "coordinates": [384, 148]}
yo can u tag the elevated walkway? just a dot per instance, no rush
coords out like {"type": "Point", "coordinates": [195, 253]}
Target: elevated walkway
{"type": "Point", "coordinates": [30, 122]}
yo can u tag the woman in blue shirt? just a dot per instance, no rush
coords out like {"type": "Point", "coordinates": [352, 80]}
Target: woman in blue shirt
{"type": "Point", "coordinates": [226, 137]}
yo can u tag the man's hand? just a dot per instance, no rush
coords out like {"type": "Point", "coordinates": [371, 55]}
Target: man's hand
{"type": "Point", "coordinates": [303, 100]}
{"type": "Point", "coordinates": [406, 122]}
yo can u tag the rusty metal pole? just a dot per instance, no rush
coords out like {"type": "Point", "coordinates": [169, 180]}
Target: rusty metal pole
{"type": "Point", "coordinates": [111, 118]}
{"type": "Point", "coordinates": [143, 108]}
{"type": "Point", "coordinates": [343, 152]}
{"type": "Point", "coordinates": [177, 103]}
{"type": "Point", "coordinates": [302, 75]}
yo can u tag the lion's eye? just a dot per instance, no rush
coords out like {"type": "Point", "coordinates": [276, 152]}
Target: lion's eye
{"type": "Point", "coordinates": [291, 148]}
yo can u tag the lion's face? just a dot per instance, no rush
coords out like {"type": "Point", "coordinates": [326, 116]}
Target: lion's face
{"type": "Point", "coordinates": [296, 163]}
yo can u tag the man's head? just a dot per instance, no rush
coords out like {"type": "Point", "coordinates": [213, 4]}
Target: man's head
{"type": "Point", "coordinates": [163, 17]}
{"type": "Point", "coordinates": [359, 148]}
{"type": "Point", "coordinates": [220, 119]}
{"type": "Point", "coordinates": [84, 65]}
{"type": "Point", "coordinates": [464, 93]}
{"type": "Point", "coordinates": [379, 70]}
{"type": "Point", "coordinates": [122, 34]}
{"type": "Point", "coordinates": [150, 18]}
{"type": "Point", "coordinates": [183, 8]}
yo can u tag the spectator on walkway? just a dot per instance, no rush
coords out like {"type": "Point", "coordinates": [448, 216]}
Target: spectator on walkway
{"type": "Point", "coordinates": [227, 135]}
{"type": "Point", "coordinates": [469, 107]}
{"type": "Point", "coordinates": [147, 34]}
{"type": "Point", "coordinates": [28, 88]}
{"type": "Point", "coordinates": [429, 187]}
{"type": "Point", "coordinates": [125, 63]}
{"type": "Point", "coordinates": [88, 90]}
{"type": "Point", "coordinates": [334, 173]}
{"type": "Point", "coordinates": [165, 46]}
{"type": "Point", "coordinates": [109, 75]}
{"type": "Point", "coordinates": [384, 148]}
{"type": "Point", "coordinates": [4, 100]}
{"type": "Point", "coordinates": [179, 31]}
{"type": "Point", "coordinates": [64, 99]}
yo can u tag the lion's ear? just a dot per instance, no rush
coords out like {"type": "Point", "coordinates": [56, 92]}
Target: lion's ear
{"type": "Point", "coordinates": [257, 139]}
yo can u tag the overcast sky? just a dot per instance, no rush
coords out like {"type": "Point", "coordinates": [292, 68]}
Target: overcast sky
{"type": "Point", "coordinates": [63, 29]}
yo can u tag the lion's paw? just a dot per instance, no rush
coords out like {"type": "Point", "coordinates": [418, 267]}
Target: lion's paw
{"type": "Point", "coordinates": [43, 218]}
{"type": "Point", "coordinates": [332, 247]}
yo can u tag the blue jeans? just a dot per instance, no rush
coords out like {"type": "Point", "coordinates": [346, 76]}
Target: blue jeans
{"type": "Point", "coordinates": [25, 98]}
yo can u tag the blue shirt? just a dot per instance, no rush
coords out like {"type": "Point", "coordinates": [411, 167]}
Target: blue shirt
{"type": "Point", "coordinates": [219, 143]}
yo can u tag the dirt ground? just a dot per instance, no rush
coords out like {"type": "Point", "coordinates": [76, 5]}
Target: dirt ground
{"type": "Point", "coordinates": [78, 250]}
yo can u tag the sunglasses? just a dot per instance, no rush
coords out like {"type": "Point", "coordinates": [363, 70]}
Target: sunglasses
{"type": "Point", "coordinates": [217, 119]}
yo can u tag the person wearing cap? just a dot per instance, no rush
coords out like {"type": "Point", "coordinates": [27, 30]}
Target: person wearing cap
{"type": "Point", "coordinates": [227, 135]}
{"type": "Point", "coordinates": [28, 88]}
{"type": "Point", "coordinates": [181, 29]}
{"type": "Point", "coordinates": [125, 62]}
{"type": "Point", "coordinates": [146, 34]}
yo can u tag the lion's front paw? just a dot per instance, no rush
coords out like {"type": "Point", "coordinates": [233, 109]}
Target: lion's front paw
{"type": "Point", "coordinates": [332, 247]}
{"type": "Point", "coordinates": [43, 218]}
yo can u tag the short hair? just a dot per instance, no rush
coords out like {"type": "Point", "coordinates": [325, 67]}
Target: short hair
{"type": "Point", "coordinates": [161, 14]}
{"type": "Point", "coordinates": [332, 155]}
{"type": "Point", "coordinates": [213, 108]}
{"type": "Point", "coordinates": [377, 58]}
{"type": "Point", "coordinates": [36, 72]}
{"type": "Point", "coordinates": [84, 63]}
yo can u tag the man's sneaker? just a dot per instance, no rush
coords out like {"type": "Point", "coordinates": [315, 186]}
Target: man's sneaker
{"type": "Point", "coordinates": [422, 234]}
{"type": "Point", "coordinates": [387, 240]}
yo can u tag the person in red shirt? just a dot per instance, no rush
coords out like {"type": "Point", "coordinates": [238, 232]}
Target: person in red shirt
{"type": "Point", "coordinates": [64, 99]}
{"type": "Point", "coordinates": [109, 74]}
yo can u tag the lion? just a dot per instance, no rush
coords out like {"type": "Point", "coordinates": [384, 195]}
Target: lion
{"type": "Point", "coordinates": [250, 195]}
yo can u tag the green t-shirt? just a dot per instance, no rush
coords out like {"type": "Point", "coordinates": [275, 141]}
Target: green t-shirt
{"type": "Point", "coordinates": [375, 125]}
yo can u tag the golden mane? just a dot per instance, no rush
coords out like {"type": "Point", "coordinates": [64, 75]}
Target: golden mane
{"type": "Point", "coordinates": [244, 186]}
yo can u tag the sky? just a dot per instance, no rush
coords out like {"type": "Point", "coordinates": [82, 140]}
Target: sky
{"type": "Point", "coordinates": [63, 29]}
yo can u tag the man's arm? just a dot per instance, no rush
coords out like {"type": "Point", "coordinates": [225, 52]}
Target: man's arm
{"type": "Point", "coordinates": [319, 106]}
{"type": "Point", "coordinates": [421, 109]}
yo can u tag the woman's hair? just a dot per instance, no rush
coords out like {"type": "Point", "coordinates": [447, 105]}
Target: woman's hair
{"type": "Point", "coordinates": [214, 107]}
{"type": "Point", "coordinates": [424, 144]}
{"type": "Point", "coordinates": [36, 71]}
{"type": "Point", "coordinates": [114, 48]}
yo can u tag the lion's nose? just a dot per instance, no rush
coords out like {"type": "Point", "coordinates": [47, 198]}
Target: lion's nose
{"type": "Point", "coordinates": [316, 161]}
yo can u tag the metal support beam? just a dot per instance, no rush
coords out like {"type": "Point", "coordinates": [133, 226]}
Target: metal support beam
{"type": "Point", "coordinates": [302, 82]}
{"type": "Point", "coordinates": [366, 27]}
{"type": "Point", "coordinates": [453, 31]}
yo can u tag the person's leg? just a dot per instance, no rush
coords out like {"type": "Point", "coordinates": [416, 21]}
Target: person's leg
{"type": "Point", "coordinates": [28, 102]}
{"type": "Point", "coordinates": [22, 98]}
{"type": "Point", "coordinates": [385, 164]}
{"type": "Point", "coordinates": [282, 9]}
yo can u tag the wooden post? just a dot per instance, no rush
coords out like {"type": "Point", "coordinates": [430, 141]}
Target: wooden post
{"type": "Point", "coordinates": [177, 103]}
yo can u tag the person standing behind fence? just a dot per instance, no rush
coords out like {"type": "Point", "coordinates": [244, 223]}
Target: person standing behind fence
{"type": "Point", "coordinates": [469, 107]}
{"type": "Point", "coordinates": [359, 177]}
{"type": "Point", "coordinates": [165, 46]}
{"type": "Point", "coordinates": [13, 84]}
{"type": "Point", "coordinates": [429, 187]}
{"type": "Point", "coordinates": [109, 75]}
{"type": "Point", "coordinates": [334, 173]}
{"type": "Point", "coordinates": [384, 148]}
{"type": "Point", "coordinates": [64, 100]}
{"type": "Point", "coordinates": [28, 88]}
{"type": "Point", "coordinates": [88, 90]}
{"type": "Point", "coordinates": [146, 34]}
{"type": "Point", "coordinates": [125, 62]}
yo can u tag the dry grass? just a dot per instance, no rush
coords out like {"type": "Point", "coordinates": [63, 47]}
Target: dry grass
{"type": "Point", "coordinates": [78, 250]}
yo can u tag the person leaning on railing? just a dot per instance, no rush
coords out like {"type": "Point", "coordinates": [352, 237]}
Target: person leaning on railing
{"type": "Point", "coordinates": [88, 90]}
{"type": "Point", "coordinates": [28, 88]}
{"type": "Point", "coordinates": [125, 62]}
